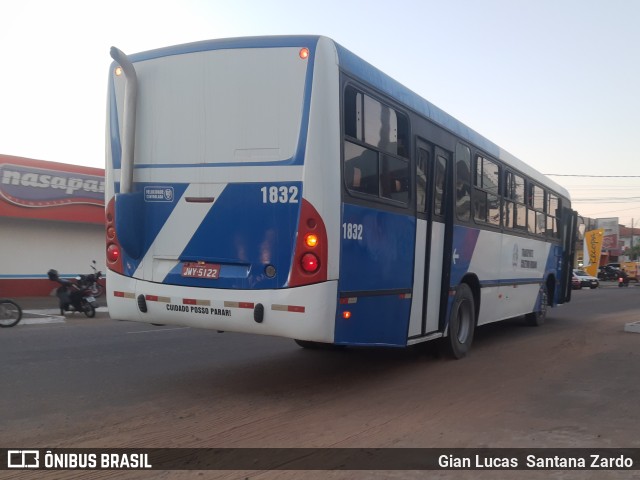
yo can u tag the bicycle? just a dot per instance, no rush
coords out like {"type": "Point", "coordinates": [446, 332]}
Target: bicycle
{"type": "Point", "coordinates": [10, 313]}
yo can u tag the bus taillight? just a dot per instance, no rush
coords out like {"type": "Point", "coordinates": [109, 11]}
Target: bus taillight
{"type": "Point", "coordinates": [113, 253]}
{"type": "Point", "coordinates": [114, 258]}
{"type": "Point", "coordinates": [311, 252]}
{"type": "Point", "coordinates": [310, 263]}
{"type": "Point", "coordinates": [311, 240]}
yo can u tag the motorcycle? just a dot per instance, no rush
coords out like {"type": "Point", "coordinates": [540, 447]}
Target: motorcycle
{"type": "Point", "coordinates": [92, 281]}
{"type": "Point", "coordinates": [73, 296]}
{"type": "Point", "coordinates": [623, 280]}
{"type": "Point", "coordinates": [608, 273]}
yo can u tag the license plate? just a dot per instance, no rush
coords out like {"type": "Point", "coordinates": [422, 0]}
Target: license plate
{"type": "Point", "coordinates": [200, 270]}
{"type": "Point", "coordinates": [90, 299]}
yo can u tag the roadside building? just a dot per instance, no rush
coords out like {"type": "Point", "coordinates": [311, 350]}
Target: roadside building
{"type": "Point", "coordinates": [51, 216]}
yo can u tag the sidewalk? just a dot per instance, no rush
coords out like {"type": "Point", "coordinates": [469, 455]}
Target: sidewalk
{"type": "Point", "coordinates": [37, 310]}
{"type": "Point", "coordinates": [36, 303]}
{"type": "Point", "coordinates": [45, 303]}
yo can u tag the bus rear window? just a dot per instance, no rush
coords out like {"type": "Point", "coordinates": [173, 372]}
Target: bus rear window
{"type": "Point", "coordinates": [220, 106]}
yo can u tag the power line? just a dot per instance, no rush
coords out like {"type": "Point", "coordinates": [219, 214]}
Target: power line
{"type": "Point", "coordinates": [608, 200]}
{"type": "Point", "coordinates": [590, 176]}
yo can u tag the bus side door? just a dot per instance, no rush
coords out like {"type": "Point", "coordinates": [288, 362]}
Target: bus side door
{"type": "Point", "coordinates": [432, 164]}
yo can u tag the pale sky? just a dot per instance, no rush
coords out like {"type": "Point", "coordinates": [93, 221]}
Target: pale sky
{"type": "Point", "coordinates": [554, 82]}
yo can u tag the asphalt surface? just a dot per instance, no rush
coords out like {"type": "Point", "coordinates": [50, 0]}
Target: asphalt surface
{"type": "Point", "coordinates": [104, 383]}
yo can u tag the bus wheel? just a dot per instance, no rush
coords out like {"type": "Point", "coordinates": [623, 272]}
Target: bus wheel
{"type": "Point", "coordinates": [462, 323]}
{"type": "Point", "coordinates": [535, 319]}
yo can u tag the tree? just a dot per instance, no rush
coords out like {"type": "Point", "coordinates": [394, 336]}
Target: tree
{"type": "Point", "coordinates": [633, 252]}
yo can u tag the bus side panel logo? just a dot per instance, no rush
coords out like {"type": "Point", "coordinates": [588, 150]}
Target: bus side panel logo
{"type": "Point", "coordinates": [158, 194]}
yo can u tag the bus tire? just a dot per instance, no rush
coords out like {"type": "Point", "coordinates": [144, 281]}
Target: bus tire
{"type": "Point", "coordinates": [537, 318]}
{"type": "Point", "coordinates": [462, 323]}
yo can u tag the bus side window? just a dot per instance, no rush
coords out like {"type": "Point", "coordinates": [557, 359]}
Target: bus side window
{"type": "Point", "coordinates": [353, 113]}
{"type": "Point", "coordinates": [422, 163]}
{"type": "Point", "coordinates": [519, 197]}
{"type": "Point", "coordinates": [486, 194]}
{"type": "Point", "coordinates": [552, 213]}
{"type": "Point", "coordinates": [394, 179]}
{"type": "Point", "coordinates": [463, 177]}
{"type": "Point", "coordinates": [441, 170]}
{"type": "Point", "coordinates": [360, 169]}
{"type": "Point", "coordinates": [403, 135]}
{"type": "Point", "coordinates": [353, 177]}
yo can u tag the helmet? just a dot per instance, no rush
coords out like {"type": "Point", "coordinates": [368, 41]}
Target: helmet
{"type": "Point", "coordinates": [52, 274]}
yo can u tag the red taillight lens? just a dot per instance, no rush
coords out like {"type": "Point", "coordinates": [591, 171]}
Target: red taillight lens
{"type": "Point", "coordinates": [311, 251]}
{"type": "Point", "coordinates": [113, 253]}
{"type": "Point", "coordinates": [310, 263]}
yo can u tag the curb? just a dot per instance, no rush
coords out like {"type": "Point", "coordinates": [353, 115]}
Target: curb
{"type": "Point", "coordinates": [41, 316]}
{"type": "Point", "coordinates": [41, 320]}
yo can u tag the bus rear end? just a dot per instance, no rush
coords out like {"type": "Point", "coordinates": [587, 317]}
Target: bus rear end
{"type": "Point", "coordinates": [221, 218]}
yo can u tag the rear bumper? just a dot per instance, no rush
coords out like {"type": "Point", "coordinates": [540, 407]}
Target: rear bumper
{"type": "Point", "coordinates": [304, 313]}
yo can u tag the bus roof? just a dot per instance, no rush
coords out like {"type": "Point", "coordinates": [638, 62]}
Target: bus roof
{"type": "Point", "coordinates": [364, 71]}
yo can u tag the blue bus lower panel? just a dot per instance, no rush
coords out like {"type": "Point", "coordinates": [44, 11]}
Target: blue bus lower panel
{"type": "Point", "coordinates": [374, 320]}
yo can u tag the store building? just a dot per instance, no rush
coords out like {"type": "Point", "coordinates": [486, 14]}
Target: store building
{"type": "Point", "coordinates": [51, 216]}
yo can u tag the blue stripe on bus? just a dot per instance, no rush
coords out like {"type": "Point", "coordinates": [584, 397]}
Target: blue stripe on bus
{"type": "Point", "coordinates": [380, 257]}
{"type": "Point", "coordinates": [244, 234]}
{"type": "Point", "coordinates": [375, 320]}
{"type": "Point", "coordinates": [138, 223]}
{"type": "Point", "coordinates": [376, 257]}
{"type": "Point", "coordinates": [464, 244]}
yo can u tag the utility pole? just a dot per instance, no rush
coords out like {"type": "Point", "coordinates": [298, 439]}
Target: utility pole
{"type": "Point", "coordinates": [632, 239]}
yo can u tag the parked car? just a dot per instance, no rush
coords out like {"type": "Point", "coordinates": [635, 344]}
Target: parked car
{"type": "Point", "coordinates": [575, 283]}
{"type": "Point", "coordinates": [608, 272]}
{"type": "Point", "coordinates": [585, 279]}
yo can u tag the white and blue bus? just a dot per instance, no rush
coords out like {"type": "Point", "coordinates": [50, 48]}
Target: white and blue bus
{"type": "Point", "coordinates": [284, 186]}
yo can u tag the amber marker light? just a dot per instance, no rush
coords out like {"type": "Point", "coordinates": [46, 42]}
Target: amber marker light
{"type": "Point", "coordinates": [346, 314]}
{"type": "Point", "coordinates": [311, 240]}
{"type": "Point", "coordinates": [304, 53]}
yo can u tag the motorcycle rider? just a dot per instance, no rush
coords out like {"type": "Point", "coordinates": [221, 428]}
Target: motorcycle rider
{"type": "Point", "coordinates": [71, 290]}
{"type": "Point", "coordinates": [624, 278]}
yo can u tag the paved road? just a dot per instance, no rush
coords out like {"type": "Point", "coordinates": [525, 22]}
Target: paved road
{"type": "Point", "coordinates": [104, 383]}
